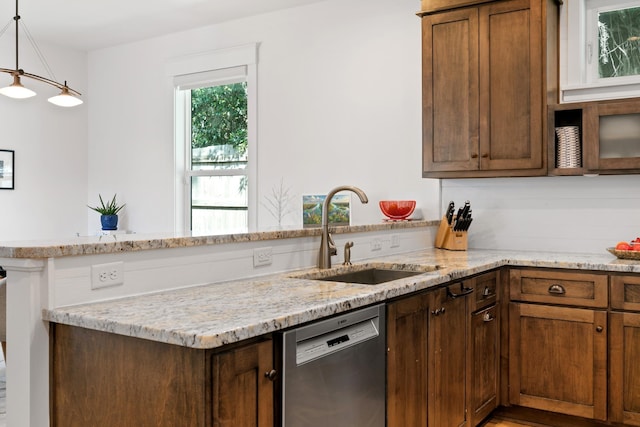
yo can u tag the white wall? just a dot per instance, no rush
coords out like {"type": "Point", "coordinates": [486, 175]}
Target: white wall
{"type": "Point", "coordinates": [50, 143]}
{"type": "Point", "coordinates": [338, 103]}
{"type": "Point", "coordinates": [557, 214]}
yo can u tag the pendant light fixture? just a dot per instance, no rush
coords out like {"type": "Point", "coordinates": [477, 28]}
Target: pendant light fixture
{"type": "Point", "coordinates": [67, 97]}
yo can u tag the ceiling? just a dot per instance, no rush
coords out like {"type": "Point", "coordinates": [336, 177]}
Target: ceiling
{"type": "Point", "coordinates": [93, 24]}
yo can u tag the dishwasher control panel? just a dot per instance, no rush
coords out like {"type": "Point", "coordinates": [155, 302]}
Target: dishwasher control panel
{"type": "Point", "coordinates": [332, 342]}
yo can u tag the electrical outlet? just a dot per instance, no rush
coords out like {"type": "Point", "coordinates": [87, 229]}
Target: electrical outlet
{"type": "Point", "coordinates": [376, 245]}
{"type": "Point", "coordinates": [105, 275]}
{"type": "Point", "coordinates": [395, 241]}
{"type": "Point", "coordinates": [262, 256]}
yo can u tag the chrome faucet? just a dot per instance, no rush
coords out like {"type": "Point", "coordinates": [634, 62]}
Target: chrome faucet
{"type": "Point", "coordinates": [327, 246]}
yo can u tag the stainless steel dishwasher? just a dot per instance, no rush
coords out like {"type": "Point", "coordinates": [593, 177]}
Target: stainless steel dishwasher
{"type": "Point", "coordinates": [333, 372]}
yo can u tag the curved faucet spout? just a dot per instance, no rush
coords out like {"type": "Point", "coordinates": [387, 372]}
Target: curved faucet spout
{"type": "Point", "coordinates": [327, 247]}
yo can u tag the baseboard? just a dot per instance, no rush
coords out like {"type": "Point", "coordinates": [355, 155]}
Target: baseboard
{"type": "Point", "coordinates": [544, 418]}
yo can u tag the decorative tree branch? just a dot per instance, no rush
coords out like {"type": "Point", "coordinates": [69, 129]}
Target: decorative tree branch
{"type": "Point", "coordinates": [278, 203]}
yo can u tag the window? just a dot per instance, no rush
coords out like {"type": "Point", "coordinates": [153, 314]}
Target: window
{"type": "Point", "coordinates": [600, 49]}
{"type": "Point", "coordinates": [215, 142]}
{"type": "Point", "coordinates": [614, 49]}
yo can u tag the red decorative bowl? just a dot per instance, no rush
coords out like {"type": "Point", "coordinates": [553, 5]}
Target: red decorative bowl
{"type": "Point", "coordinates": [397, 209]}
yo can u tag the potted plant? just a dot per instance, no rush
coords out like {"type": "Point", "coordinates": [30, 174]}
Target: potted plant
{"type": "Point", "coordinates": [109, 213]}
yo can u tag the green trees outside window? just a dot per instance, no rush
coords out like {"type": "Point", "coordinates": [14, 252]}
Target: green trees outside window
{"type": "Point", "coordinates": [619, 42]}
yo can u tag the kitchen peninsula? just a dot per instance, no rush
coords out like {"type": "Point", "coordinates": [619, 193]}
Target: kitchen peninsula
{"type": "Point", "coordinates": [175, 291]}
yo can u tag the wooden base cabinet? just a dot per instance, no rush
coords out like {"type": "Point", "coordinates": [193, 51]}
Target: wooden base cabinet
{"type": "Point", "coordinates": [243, 388]}
{"type": "Point", "coordinates": [558, 359]}
{"type": "Point", "coordinates": [624, 342]}
{"type": "Point", "coordinates": [427, 359]}
{"type": "Point", "coordinates": [625, 368]}
{"type": "Point", "coordinates": [485, 362]}
{"type": "Point", "coordinates": [407, 341]}
{"type": "Point", "coordinates": [100, 379]}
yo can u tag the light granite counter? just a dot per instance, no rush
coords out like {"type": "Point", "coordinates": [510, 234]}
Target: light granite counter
{"type": "Point", "coordinates": [116, 243]}
{"type": "Point", "coordinates": [211, 316]}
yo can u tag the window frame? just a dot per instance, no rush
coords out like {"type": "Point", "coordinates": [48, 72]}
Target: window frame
{"type": "Point", "coordinates": [579, 77]}
{"type": "Point", "coordinates": [207, 64]}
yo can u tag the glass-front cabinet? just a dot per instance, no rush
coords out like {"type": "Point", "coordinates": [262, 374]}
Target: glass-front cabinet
{"type": "Point", "coordinates": [600, 137]}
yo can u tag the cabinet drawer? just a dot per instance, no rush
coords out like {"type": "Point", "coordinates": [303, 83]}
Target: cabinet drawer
{"type": "Point", "coordinates": [486, 290]}
{"type": "Point", "coordinates": [625, 292]}
{"type": "Point", "coordinates": [558, 287]}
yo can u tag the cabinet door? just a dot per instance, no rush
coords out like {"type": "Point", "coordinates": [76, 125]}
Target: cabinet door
{"type": "Point", "coordinates": [611, 136]}
{"type": "Point", "coordinates": [450, 91]}
{"type": "Point", "coordinates": [558, 359]}
{"type": "Point", "coordinates": [448, 334]}
{"type": "Point", "coordinates": [625, 369]}
{"type": "Point", "coordinates": [407, 334]}
{"type": "Point", "coordinates": [485, 359]}
{"type": "Point", "coordinates": [511, 71]}
{"type": "Point", "coordinates": [242, 391]}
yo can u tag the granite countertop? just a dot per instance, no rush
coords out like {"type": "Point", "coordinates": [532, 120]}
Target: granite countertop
{"type": "Point", "coordinates": [211, 316]}
{"type": "Point", "coordinates": [91, 245]}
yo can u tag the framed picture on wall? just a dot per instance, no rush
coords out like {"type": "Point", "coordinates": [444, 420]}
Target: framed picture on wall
{"type": "Point", "coordinates": [7, 168]}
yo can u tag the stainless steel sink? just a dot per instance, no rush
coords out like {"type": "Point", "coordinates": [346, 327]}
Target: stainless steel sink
{"type": "Point", "coordinates": [369, 274]}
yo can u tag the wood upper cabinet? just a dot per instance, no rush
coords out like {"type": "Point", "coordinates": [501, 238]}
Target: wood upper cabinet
{"type": "Point", "coordinates": [484, 89]}
{"type": "Point", "coordinates": [611, 139]}
{"type": "Point", "coordinates": [438, 5]}
{"type": "Point", "coordinates": [558, 359]}
{"type": "Point", "coordinates": [451, 91]}
{"type": "Point", "coordinates": [609, 136]}
{"type": "Point", "coordinates": [427, 359]}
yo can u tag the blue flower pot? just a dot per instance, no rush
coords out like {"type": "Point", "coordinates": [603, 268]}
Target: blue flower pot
{"type": "Point", "coordinates": [109, 222]}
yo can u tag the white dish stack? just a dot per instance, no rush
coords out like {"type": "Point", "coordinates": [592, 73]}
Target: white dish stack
{"type": "Point", "coordinates": [568, 150]}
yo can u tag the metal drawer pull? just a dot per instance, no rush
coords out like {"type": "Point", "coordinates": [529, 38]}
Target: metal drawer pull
{"type": "Point", "coordinates": [488, 317]}
{"type": "Point", "coordinates": [599, 329]}
{"type": "Point", "coordinates": [557, 290]}
{"type": "Point", "coordinates": [487, 292]}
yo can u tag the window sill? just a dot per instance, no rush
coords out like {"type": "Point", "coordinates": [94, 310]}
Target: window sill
{"type": "Point", "coordinates": [595, 92]}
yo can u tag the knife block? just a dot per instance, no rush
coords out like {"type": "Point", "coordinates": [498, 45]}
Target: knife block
{"type": "Point", "coordinates": [449, 239]}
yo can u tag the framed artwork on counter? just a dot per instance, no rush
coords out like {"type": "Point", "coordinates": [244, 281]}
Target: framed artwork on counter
{"type": "Point", "coordinates": [339, 210]}
{"type": "Point", "coordinates": [7, 168]}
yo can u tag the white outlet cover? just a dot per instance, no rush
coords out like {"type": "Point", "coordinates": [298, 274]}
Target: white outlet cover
{"type": "Point", "coordinates": [106, 275]}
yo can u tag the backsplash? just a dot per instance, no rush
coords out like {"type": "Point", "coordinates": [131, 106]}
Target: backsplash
{"type": "Point", "coordinates": [557, 214]}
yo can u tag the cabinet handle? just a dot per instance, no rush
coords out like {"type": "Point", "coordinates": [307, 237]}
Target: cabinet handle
{"type": "Point", "coordinates": [271, 375]}
{"type": "Point", "coordinates": [464, 291]}
{"type": "Point", "coordinates": [557, 290]}
{"type": "Point", "coordinates": [485, 155]}
{"type": "Point", "coordinates": [474, 155]}
{"type": "Point", "coordinates": [487, 292]}
{"type": "Point", "coordinates": [438, 311]}
{"type": "Point", "coordinates": [488, 317]}
{"type": "Point", "coordinates": [599, 329]}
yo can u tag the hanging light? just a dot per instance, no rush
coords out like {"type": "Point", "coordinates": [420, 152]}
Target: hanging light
{"type": "Point", "coordinates": [67, 97]}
